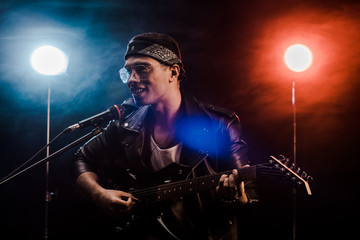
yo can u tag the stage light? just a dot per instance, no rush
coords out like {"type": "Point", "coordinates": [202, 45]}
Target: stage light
{"type": "Point", "coordinates": [49, 60]}
{"type": "Point", "coordinates": [298, 57]}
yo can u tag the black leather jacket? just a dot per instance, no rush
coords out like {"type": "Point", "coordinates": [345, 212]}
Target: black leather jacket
{"type": "Point", "coordinates": [205, 129]}
{"type": "Point", "coordinates": [122, 149]}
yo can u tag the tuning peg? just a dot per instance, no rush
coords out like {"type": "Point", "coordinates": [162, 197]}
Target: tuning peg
{"type": "Point", "coordinates": [303, 174]}
{"type": "Point", "coordinates": [293, 166]}
{"type": "Point", "coordinates": [284, 159]}
{"type": "Point", "coordinates": [309, 179]}
{"type": "Point", "coordinates": [298, 170]}
{"type": "Point", "coordinates": [287, 160]}
{"type": "Point", "coordinates": [299, 183]}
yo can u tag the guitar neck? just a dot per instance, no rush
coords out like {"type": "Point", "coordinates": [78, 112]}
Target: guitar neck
{"type": "Point", "coordinates": [179, 189]}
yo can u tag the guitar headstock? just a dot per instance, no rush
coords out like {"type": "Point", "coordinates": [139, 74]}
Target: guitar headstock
{"type": "Point", "coordinates": [282, 169]}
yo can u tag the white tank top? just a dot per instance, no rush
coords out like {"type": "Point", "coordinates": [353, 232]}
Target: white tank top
{"type": "Point", "coordinates": [161, 157]}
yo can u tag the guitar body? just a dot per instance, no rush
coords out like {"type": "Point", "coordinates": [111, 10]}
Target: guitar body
{"type": "Point", "coordinates": [150, 216]}
{"type": "Point", "coordinates": [195, 216]}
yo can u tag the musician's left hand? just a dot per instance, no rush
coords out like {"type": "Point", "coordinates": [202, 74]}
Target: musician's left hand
{"type": "Point", "coordinates": [231, 189]}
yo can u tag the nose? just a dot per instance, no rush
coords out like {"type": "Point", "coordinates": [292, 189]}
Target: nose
{"type": "Point", "coordinates": [134, 77]}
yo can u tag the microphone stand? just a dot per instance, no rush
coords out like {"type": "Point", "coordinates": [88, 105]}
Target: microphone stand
{"type": "Point", "coordinates": [84, 138]}
{"type": "Point", "coordinates": [295, 162]}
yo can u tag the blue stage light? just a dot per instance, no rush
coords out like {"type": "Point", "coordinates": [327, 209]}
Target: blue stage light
{"type": "Point", "coordinates": [49, 60]}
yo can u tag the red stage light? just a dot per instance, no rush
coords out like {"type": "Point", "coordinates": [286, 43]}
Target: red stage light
{"type": "Point", "coordinates": [298, 57]}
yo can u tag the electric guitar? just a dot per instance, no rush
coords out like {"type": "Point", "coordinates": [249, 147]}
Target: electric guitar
{"type": "Point", "coordinates": [277, 170]}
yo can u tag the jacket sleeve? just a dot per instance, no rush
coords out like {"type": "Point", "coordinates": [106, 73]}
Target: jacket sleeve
{"type": "Point", "coordinates": [239, 154]}
{"type": "Point", "coordinates": [237, 146]}
{"type": "Point", "coordinates": [96, 153]}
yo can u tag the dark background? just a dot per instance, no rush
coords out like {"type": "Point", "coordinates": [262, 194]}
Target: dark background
{"type": "Point", "coordinates": [232, 52]}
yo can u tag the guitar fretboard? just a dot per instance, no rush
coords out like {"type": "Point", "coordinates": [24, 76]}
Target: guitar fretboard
{"type": "Point", "coordinates": [179, 189]}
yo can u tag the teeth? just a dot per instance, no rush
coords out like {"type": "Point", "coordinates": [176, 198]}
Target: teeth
{"type": "Point", "coordinates": [137, 90]}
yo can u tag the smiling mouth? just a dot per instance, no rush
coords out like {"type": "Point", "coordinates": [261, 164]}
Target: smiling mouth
{"type": "Point", "coordinates": [137, 90]}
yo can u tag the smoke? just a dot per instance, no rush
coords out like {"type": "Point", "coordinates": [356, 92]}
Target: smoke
{"type": "Point", "coordinates": [94, 59]}
{"type": "Point", "coordinates": [231, 49]}
{"type": "Point", "coordinates": [323, 91]}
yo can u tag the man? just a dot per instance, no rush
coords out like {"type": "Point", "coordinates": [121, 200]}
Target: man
{"type": "Point", "coordinates": [166, 134]}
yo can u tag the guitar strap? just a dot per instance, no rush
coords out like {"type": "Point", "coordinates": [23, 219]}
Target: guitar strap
{"type": "Point", "coordinates": [226, 232]}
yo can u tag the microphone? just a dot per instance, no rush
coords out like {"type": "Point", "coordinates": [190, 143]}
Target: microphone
{"type": "Point", "coordinates": [114, 112]}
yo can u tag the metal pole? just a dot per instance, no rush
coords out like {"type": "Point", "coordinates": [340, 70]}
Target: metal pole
{"type": "Point", "coordinates": [294, 152]}
{"type": "Point", "coordinates": [47, 193]}
{"type": "Point", "coordinates": [294, 121]}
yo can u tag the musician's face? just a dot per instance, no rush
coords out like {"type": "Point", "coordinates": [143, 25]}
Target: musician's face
{"type": "Point", "coordinates": [148, 80]}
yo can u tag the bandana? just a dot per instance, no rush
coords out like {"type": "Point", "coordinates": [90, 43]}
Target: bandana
{"type": "Point", "coordinates": [153, 50]}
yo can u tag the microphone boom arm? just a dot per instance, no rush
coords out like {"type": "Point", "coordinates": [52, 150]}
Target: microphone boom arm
{"type": "Point", "coordinates": [84, 138]}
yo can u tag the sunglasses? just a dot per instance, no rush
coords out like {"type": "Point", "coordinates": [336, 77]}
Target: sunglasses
{"type": "Point", "coordinates": [141, 72]}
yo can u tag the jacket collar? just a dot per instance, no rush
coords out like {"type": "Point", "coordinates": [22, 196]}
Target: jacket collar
{"type": "Point", "coordinates": [135, 122]}
{"type": "Point", "coordinates": [195, 148]}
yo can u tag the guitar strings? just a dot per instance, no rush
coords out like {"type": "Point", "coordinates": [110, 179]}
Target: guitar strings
{"type": "Point", "coordinates": [171, 186]}
{"type": "Point", "coordinates": [175, 185]}
{"type": "Point", "coordinates": [265, 172]}
{"type": "Point", "coordinates": [167, 188]}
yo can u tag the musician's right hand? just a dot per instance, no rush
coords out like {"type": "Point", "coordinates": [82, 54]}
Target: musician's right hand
{"type": "Point", "coordinates": [115, 203]}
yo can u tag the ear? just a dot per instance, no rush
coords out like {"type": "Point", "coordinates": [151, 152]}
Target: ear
{"type": "Point", "coordinates": [175, 72]}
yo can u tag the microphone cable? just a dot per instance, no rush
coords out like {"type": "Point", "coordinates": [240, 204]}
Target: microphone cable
{"type": "Point", "coordinates": [12, 173]}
